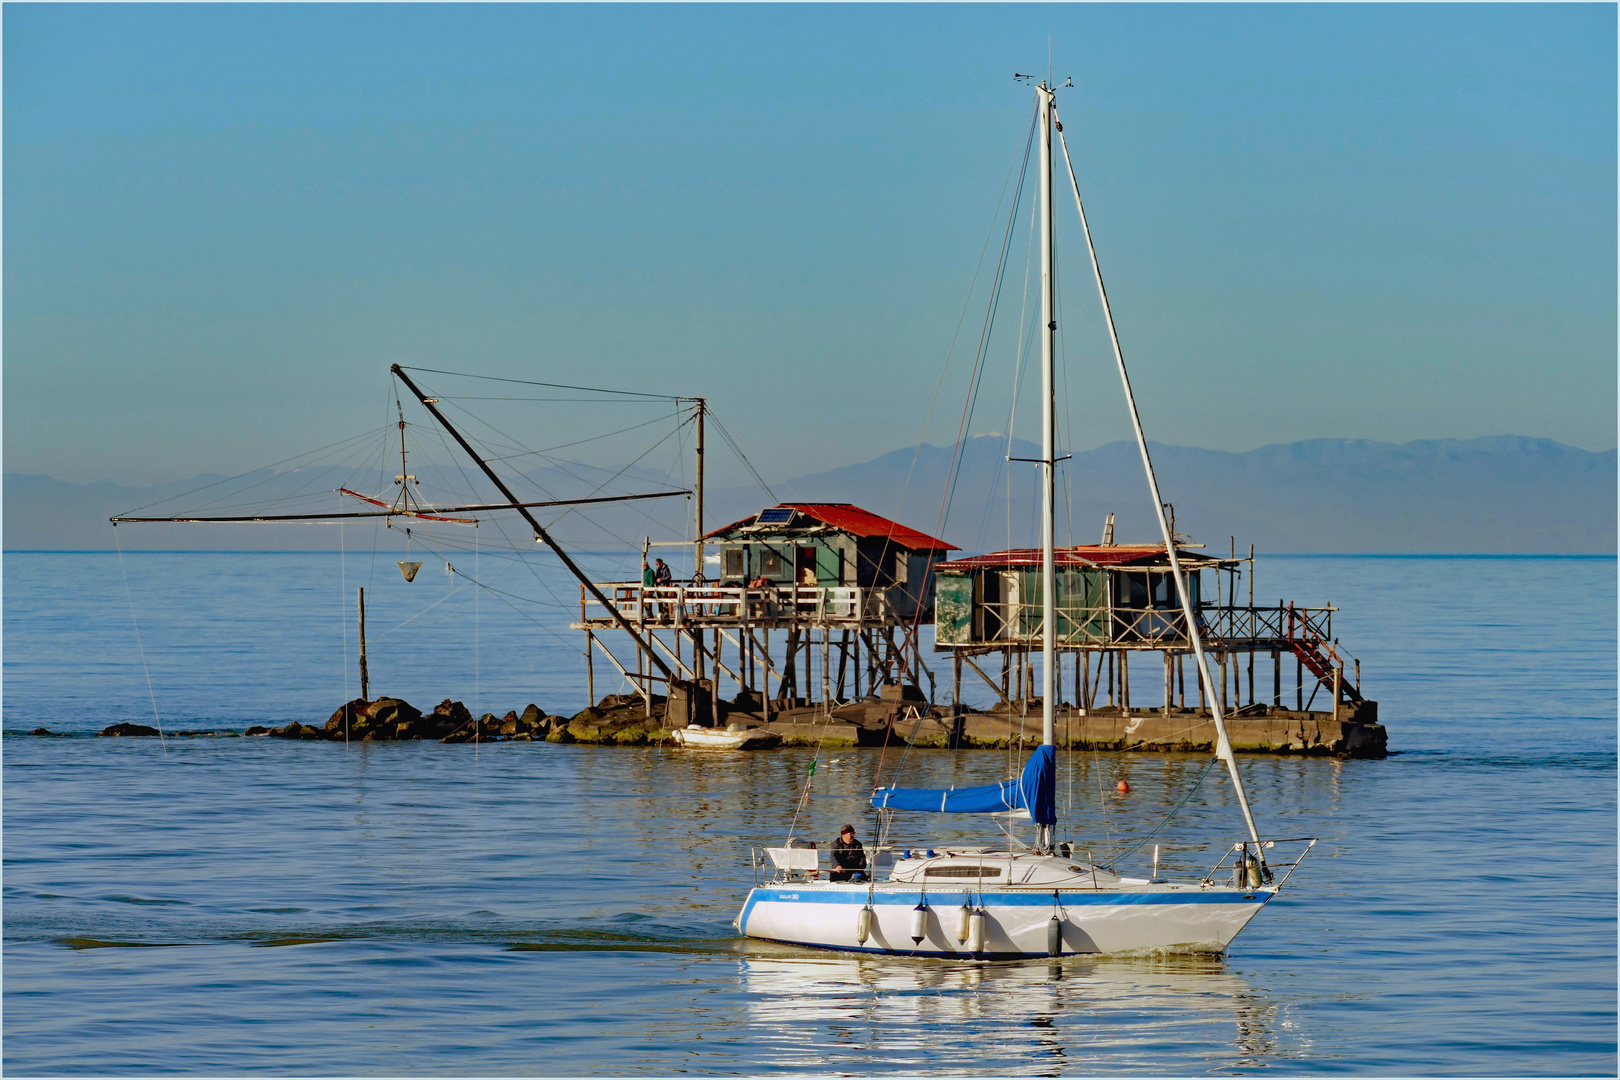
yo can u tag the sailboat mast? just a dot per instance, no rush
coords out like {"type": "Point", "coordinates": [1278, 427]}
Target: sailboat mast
{"type": "Point", "coordinates": [1048, 438]}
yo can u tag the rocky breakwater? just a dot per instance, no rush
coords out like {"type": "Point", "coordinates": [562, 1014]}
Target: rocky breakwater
{"type": "Point", "coordinates": [388, 719]}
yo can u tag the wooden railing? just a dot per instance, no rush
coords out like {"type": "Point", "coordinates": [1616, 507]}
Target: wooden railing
{"type": "Point", "coordinates": [686, 605]}
{"type": "Point", "coordinates": [1158, 628]}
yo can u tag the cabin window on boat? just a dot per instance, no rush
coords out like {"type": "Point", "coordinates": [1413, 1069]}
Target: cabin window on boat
{"type": "Point", "coordinates": [736, 563]}
{"type": "Point", "coordinates": [962, 871]}
{"type": "Point", "coordinates": [770, 565]}
{"type": "Point", "coordinates": [902, 563]}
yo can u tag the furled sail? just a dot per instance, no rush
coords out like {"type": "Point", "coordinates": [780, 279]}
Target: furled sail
{"type": "Point", "coordinates": [1035, 791]}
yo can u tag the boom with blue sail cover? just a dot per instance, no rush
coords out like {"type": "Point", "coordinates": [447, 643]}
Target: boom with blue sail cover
{"type": "Point", "coordinates": [1035, 791]}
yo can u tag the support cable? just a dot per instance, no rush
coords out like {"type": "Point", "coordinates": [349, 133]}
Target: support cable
{"type": "Point", "coordinates": [130, 595]}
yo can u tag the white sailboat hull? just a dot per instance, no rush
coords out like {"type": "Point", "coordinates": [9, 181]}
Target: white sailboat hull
{"type": "Point", "coordinates": [1150, 918]}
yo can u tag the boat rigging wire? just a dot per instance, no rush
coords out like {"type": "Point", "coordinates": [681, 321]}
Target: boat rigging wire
{"type": "Point", "coordinates": [975, 376]}
{"type": "Point", "coordinates": [1223, 745]}
{"type": "Point", "coordinates": [961, 320]}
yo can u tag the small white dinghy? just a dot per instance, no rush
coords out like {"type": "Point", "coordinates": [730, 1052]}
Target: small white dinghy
{"type": "Point", "coordinates": [698, 737]}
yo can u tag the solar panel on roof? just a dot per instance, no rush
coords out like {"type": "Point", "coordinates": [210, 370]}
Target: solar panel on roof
{"type": "Point", "coordinates": [775, 515]}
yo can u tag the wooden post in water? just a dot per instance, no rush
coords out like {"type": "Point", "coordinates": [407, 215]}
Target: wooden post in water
{"type": "Point", "coordinates": [826, 666]}
{"type": "Point", "coordinates": [956, 681]}
{"type": "Point", "coordinates": [365, 678]}
{"type": "Point", "coordinates": [590, 669]}
{"type": "Point", "coordinates": [1169, 681]}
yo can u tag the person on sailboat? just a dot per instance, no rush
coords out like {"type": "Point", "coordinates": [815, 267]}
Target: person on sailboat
{"type": "Point", "coordinates": [848, 856]}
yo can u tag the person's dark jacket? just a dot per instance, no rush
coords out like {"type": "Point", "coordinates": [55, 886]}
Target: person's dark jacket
{"type": "Point", "coordinates": [850, 856]}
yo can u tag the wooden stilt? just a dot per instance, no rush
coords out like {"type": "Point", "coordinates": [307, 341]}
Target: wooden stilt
{"type": "Point", "coordinates": [956, 681]}
{"type": "Point", "coordinates": [826, 667]}
{"type": "Point", "coordinates": [1169, 682]}
{"type": "Point", "coordinates": [843, 661]}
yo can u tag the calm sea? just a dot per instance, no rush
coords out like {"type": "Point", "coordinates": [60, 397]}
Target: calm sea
{"type": "Point", "coordinates": [228, 906]}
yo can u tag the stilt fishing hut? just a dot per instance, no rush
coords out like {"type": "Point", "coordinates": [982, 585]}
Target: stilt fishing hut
{"type": "Point", "coordinates": [844, 590]}
{"type": "Point", "coordinates": [1116, 603]}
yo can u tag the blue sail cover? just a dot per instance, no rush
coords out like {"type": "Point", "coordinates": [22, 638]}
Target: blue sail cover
{"type": "Point", "coordinates": [1035, 791]}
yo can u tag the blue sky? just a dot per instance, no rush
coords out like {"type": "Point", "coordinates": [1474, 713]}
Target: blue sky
{"type": "Point", "coordinates": [222, 223]}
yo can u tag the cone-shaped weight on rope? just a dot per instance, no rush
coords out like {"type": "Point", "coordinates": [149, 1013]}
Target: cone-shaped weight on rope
{"type": "Point", "coordinates": [409, 569]}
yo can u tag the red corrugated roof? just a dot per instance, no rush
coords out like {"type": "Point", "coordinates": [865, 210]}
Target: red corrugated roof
{"type": "Point", "coordinates": [1083, 555]}
{"type": "Point", "coordinates": [852, 519]}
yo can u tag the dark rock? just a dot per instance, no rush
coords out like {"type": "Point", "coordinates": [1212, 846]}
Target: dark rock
{"type": "Point", "coordinates": [386, 713]}
{"type": "Point", "coordinates": [532, 717]}
{"type": "Point", "coordinates": [257, 729]}
{"type": "Point", "coordinates": [351, 713]}
{"type": "Point", "coordinates": [130, 730]}
{"type": "Point", "coordinates": [42, 731]}
{"type": "Point", "coordinates": [453, 710]}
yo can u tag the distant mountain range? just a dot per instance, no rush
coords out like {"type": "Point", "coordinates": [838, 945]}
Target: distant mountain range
{"type": "Point", "coordinates": [1499, 494]}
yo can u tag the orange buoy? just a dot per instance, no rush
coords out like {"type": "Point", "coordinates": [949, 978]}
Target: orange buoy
{"type": "Point", "coordinates": [1124, 788]}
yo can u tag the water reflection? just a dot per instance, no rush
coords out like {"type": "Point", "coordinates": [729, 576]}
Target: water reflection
{"type": "Point", "coordinates": [832, 1012]}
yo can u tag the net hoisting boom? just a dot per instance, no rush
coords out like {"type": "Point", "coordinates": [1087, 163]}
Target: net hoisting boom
{"type": "Point", "coordinates": [391, 512]}
{"type": "Point", "coordinates": [540, 532]}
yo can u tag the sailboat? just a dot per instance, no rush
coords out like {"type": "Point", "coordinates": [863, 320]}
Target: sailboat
{"type": "Point", "coordinates": [1036, 900]}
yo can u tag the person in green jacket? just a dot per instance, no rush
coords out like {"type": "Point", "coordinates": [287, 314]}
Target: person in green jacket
{"type": "Point", "coordinates": [649, 580]}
